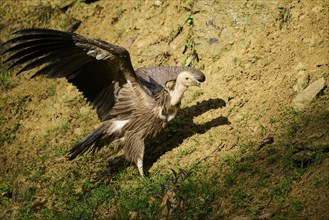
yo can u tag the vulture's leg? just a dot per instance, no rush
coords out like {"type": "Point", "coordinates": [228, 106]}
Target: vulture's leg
{"type": "Point", "coordinates": [139, 161]}
{"type": "Point", "coordinates": [134, 150]}
{"type": "Point", "coordinates": [140, 165]}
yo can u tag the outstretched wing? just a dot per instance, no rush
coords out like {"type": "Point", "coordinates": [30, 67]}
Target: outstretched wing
{"type": "Point", "coordinates": [95, 67]}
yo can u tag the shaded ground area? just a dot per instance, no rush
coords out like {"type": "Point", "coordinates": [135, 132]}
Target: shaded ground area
{"type": "Point", "coordinates": [238, 149]}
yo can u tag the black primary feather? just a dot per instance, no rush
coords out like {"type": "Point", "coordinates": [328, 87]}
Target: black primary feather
{"type": "Point", "coordinates": [69, 55]}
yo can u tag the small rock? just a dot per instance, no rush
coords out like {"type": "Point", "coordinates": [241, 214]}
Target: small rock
{"type": "Point", "coordinates": [265, 216]}
{"type": "Point", "coordinates": [303, 156]}
{"type": "Point", "coordinates": [132, 215]}
{"type": "Point", "coordinates": [306, 96]}
{"type": "Point", "coordinates": [241, 218]}
{"type": "Point", "coordinates": [61, 159]}
{"type": "Point", "coordinates": [84, 110]}
{"type": "Point", "coordinates": [317, 9]}
{"type": "Point", "coordinates": [302, 80]}
{"type": "Point", "coordinates": [130, 41]}
{"type": "Point", "coordinates": [157, 3]}
{"type": "Point", "coordinates": [212, 40]}
{"type": "Point", "coordinates": [312, 41]}
{"type": "Point", "coordinates": [314, 142]}
{"type": "Point", "coordinates": [247, 65]}
{"type": "Point", "coordinates": [300, 66]}
{"type": "Point", "coordinates": [37, 206]}
{"type": "Point", "coordinates": [228, 35]}
{"type": "Point", "coordinates": [265, 141]}
{"type": "Point", "coordinates": [78, 131]}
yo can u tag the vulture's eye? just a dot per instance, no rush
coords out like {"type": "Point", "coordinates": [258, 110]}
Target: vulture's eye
{"type": "Point", "coordinates": [186, 78]}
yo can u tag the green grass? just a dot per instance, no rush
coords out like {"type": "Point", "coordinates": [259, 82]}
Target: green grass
{"type": "Point", "coordinates": [184, 152]}
{"type": "Point", "coordinates": [52, 131]}
{"type": "Point", "coordinates": [119, 32]}
{"type": "Point", "coordinates": [118, 13]}
{"type": "Point", "coordinates": [239, 197]}
{"type": "Point", "coordinates": [8, 135]}
{"type": "Point", "coordinates": [6, 193]}
{"type": "Point", "coordinates": [293, 120]}
{"type": "Point", "coordinates": [189, 2]}
{"type": "Point", "coordinates": [174, 33]}
{"type": "Point", "coordinates": [5, 81]}
{"type": "Point", "coordinates": [182, 194]}
{"type": "Point", "coordinates": [297, 206]}
{"type": "Point", "coordinates": [243, 117]}
{"type": "Point", "coordinates": [174, 194]}
{"type": "Point", "coordinates": [9, 131]}
{"type": "Point", "coordinates": [196, 94]}
{"type": "Point", "coordinates": [281, 189]}
{"type": "Point", "coordinates": [210, 140]}
{"type": "Point", "coordinates": [193, 193]}
{"type": "Point", "coordinates": [60, 151]}
{"type": "Point", "coordinates": [51, 89]}
{"type": "Point", "coordinates": [316, 182]}
{"type": "Point", "coordinates": [231, 175]}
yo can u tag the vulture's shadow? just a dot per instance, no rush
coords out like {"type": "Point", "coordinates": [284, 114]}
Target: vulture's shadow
{"type": "Point", "coordinates": [181, 128]}
{"type": "Point", "coordinates": [175, 133]}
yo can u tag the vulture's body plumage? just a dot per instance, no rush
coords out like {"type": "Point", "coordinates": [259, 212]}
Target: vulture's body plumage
{"type": "Point", "coordinates": [133, 105]}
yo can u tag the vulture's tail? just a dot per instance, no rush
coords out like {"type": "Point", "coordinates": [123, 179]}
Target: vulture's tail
{"type": "Point", "coordinates": [91, 143]}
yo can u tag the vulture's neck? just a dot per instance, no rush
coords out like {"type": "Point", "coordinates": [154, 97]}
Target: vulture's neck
{"type": "Point", "coordinates": [177, 93]}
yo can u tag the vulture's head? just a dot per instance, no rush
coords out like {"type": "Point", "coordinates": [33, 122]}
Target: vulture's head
{"type": "Point", "coordinates": [190, 78]}
{"type": "Point", "coordinates": [187, 76]}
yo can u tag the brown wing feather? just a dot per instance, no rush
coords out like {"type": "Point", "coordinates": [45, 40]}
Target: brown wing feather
{"type": "Point", "coordinates": [93, 66]}
{"type": "Point", "coordinates": [132, 99]}
{"type": "Point", "coordinates": [154, 78]}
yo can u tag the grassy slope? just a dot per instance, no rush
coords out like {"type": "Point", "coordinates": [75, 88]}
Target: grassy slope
{"type": "Point", "coordinates": [207, 163]}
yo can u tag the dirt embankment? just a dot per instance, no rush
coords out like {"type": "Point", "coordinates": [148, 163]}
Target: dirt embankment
{"type": "Point", "coordinates": [257, 57]}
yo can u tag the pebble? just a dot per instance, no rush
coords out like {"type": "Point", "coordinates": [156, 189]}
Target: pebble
{"type": "Point", "coordinates": [265, 216]}
{"type": "Point", "coordinates": [157, 3]}
{"type": "Point", "coordinates": [300, 66]}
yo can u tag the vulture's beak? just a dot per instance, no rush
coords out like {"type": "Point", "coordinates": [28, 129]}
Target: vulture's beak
{"type": "Point", "coordinates": [196, 82]}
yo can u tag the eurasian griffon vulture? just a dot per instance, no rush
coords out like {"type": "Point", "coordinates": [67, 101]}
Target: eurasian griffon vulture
{"type": "Point", "coordinates": [133, 105]}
